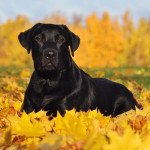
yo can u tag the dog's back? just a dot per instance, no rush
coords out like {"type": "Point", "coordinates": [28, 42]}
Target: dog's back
{"type": "Point", "coordinates": [114, 98]}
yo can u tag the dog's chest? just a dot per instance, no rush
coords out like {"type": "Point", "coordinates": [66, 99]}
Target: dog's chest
{"type": "Point", "coordinates": [45, 85]}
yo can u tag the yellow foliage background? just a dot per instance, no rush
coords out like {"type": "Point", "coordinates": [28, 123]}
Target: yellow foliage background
{"type": "Point", "coordinates": [105, 41]}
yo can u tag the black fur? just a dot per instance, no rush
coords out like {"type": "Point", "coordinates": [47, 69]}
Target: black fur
{"type": "Point", "coordinates": [58, 84]}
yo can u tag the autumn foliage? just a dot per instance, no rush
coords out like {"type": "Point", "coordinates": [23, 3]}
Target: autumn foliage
{"type": "Point", "coordinates": [105, 41]}
{"type": "Point", "coordinates": [76, 131]}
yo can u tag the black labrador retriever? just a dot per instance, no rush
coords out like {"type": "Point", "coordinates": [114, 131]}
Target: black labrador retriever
{"type": "Point", "coordinates": [58, 84]}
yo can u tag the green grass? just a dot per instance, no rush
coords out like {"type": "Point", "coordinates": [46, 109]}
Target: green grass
{"type": "Point", "coordinates": [120, 74]}
{"type": "Point", "coordinates": [123, 74]}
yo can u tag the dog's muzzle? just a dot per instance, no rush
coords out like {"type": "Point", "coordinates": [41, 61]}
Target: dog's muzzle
{"type": "Point", "coordinates": [49, 53]}
{"type": "Point", "coordinates": [48, 58]}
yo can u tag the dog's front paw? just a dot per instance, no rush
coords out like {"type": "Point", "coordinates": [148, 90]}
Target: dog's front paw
{"type": "Point", "coordinates": [26, 106]}
{"type": "Point", "coordinates": [62, 112]}
{"type": "Point", "coordinates": [51, 114]}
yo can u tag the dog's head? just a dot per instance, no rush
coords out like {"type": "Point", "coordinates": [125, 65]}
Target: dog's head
{"type": "Point", "coordinates": [50, 46]}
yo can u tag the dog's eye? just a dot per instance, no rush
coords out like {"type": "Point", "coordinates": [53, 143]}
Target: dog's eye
{"type": "Point", "coordinates": [38, 38]}
{"type": "Point", "coordinates": [60, 39]}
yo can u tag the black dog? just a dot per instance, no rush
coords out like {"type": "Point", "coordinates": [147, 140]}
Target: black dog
{"type": "Point", "coordinates": [57, 84]}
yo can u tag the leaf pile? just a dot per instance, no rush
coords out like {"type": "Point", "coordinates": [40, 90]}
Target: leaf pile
{"type": "Point", "coordinates": [76, 131]}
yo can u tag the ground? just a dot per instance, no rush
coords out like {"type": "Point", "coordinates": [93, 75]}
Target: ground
{"type": "Point", "coordinates": [89, 131]}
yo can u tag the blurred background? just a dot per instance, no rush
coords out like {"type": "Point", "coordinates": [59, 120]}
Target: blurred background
{"type": "Point", "coordinates": [113, 33]}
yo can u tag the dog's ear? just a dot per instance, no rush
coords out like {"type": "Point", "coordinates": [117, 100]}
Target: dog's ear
{"type": "Point", "coordinates": [25, 37]}
{"type": "Point", "coordinates": [73, 40]}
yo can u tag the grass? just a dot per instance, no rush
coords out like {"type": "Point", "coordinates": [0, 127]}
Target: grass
{"type": "Point", "coordinates": [141, 75]}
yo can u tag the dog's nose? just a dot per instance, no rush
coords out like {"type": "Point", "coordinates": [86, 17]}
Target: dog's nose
{"type": "Point", "coordinates": [49, 53]}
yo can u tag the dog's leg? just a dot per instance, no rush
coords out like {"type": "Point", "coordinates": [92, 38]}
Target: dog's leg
{"type": "Point", "coordinates": [31, 101]}
{"type": "Point", "coordinates": [121, 105]}
{"type": "Point", "coordinates": [62, 110]}
{"type": "Point", "coordinates": [33, 95]}
{"type": "Point", "coordinates": [27, 106]}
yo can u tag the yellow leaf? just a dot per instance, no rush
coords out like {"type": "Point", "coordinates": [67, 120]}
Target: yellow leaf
{"type": "Point", "coordinates": [128, 141]}
{"type": "Point", "coordinates": [24, 126]}
{"type": "Point", "coordinates": [71, 124]}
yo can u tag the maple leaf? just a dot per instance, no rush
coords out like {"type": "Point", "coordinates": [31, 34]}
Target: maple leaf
{"type": "Point", "coordinates": [23, 126]}
{"type": "Point", "coordinates": [70, 125]}
{"type": "Point", "coordinates": [138, 123]}
{"type": "Point", "coordinates": [95, 140]}
{"type": "Point", "coordinates": [128, 141]}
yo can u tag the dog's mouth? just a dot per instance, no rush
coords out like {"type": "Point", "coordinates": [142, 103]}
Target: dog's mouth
{"type": "Point", "coordinates": [47, 67]}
